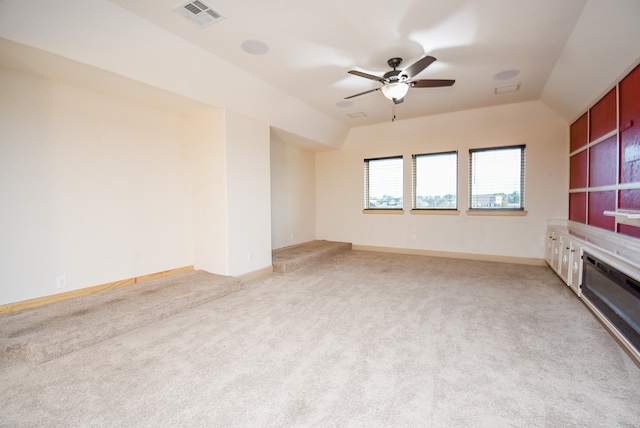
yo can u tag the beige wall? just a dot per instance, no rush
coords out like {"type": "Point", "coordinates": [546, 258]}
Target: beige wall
{"type": "Point", "coordinates": [100, 189]}
{"type": "Point", "coordinates": [340, 182]}
{"type": "Point", "coordinates": [293, 194]}
{"type": "Point", "coordinates": [208, 170]}
{"type": "Point", "coordinates": [92, 187]}
{"type": "Point", "coordinates": [248, 194]}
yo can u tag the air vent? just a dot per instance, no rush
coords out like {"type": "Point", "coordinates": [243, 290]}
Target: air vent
{"type": "Point", "coordinates": [199, 13]}
{"type": "Point", "coordinates": [506, 89]}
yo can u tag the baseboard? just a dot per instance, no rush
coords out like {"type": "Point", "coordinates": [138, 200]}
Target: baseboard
{"type": "Point", "coordinates": [452, 255]}
{"type": "Point", "coordinates": [39, 301]}
{"type": "Point", "coordinates": [255, 274]}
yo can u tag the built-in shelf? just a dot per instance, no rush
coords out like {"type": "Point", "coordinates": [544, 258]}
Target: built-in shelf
{"type": "Point", "coordinates": [628, 217]}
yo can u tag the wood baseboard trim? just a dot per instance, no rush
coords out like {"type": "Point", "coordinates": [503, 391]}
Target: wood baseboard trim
{"type": "Point", "coordinates": [45, 300]}
{"type": "Point", "coordinates": [452, 255]}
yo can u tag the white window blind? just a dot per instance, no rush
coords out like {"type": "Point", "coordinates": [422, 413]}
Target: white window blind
{"type": "Point", "coordinates": [383, 183]}
{"type": "Point", "coordinates": [496, 178]}
{"type": "Point", "coordinates": [435, 181]}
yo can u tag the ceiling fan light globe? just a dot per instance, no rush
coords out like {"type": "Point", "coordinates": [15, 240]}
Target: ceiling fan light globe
{"type": "Point", "coordinates": [395, 90]}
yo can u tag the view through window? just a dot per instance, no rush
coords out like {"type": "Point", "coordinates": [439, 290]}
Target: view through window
{"type": "Point", "coordinates": [496, 178]}
{"type": "Point", "coordinates": [435, 181]}
{"type": "Point", "coordinates": [383, 183]}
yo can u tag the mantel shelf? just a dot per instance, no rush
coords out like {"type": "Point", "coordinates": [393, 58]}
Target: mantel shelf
{"type": "Point", "coordinates": [628, 217]}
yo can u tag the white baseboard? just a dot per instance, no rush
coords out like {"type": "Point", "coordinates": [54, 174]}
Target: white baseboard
{"type": "Point", "coordinates": [255, 274]}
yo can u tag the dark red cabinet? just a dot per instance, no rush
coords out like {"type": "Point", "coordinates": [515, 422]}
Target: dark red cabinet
{"type": "Point", "coordinates": [602, 163]}
{"type": "Point", "coordinates": [602, 116]}
{"type": "Point", "coordinates": [578, 207]}
{"type": "Point", "coordinates": [604, 173]}
{"type": "Point", "coordinates": [578, 170]}
{"type": "Point", "coordinates": [600, 202]}
{"type": "Point", "coordinates": [630, 127]}
{"type": "Point", "coordinates": [579, 133]}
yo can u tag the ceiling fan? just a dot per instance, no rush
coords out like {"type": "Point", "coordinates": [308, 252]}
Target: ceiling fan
{"type": "Point", "coordinates": [396, 83]}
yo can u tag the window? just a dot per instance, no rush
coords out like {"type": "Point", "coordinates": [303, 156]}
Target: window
{"type": "Point", "coordinates": [435, 181]}
{"type": "Point", "coordinates": [496, 178]}
{"type": "Point", "coordinates": [383, 183]}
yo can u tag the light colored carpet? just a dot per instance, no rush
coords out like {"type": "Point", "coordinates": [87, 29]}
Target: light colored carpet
{"type": "Point", "coordinates": [294, 257]}
{"type": "Point", "coordinates": [41, 334]}
{"type": "Point", "coordinates": [363, 339]}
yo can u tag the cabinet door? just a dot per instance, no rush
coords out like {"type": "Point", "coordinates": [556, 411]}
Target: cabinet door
{"type": "Point", "coordinates": [555, 257]}
{"type": "Point", "coordinates": [550, 250]}
{"type": "Point", "coordinates": [575, 269]}
{"type": "Point", "coordinates": [563, 260]}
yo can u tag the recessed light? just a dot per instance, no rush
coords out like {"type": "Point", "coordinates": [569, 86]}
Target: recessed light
{"type": "Point", "coordinates": [358, 114]}
{"type": "Point", "coordinates": [254, 47]}
{"type": "Point", "coordinates": [507, 74]}
{"type": "Point", "coordinates": [344, 104]}
{"type": "Point", "coordinates": [506, 89]}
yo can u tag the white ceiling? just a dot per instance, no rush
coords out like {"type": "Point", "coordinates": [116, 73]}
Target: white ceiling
{"type": "Point", "coordinates": [313, 44]}
{"type": "Point", "coordinates": [566, 53]}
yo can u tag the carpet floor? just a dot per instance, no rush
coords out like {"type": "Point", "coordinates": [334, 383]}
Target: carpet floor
{"type": "Point", "coordinates": [361, 339]}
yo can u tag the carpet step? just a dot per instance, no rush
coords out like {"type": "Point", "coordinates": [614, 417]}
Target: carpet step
{"type": "Point", "coordinates": [289, 259]}
{"type": "Point", "coordinates": [47, 332]}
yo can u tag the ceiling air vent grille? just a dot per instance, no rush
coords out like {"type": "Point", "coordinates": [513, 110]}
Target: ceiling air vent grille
{"type": "Point", "coordinates": [199, 13]}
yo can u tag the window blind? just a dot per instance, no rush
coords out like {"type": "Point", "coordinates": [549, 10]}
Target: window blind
{"type": "Point", "coordinates": [434, 180]}
{"type": "Point", "coordinates": [497, 178]}
{"type": "Point", "coordinates": [383, 183]}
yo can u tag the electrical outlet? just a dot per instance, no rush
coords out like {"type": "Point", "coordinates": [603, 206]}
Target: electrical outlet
{"type": "Point", "coordinates": [61, 281]}
{"type": "Point", "coordinates": [249, 255]}
{"type": "Point", "coordinates": [414, 238]}
{"type": "Point", "coordinates": [292, 237]}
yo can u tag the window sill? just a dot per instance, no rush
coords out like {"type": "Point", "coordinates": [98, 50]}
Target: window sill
{"type": "Point", "coordinates": [383, 211]}
{"type": "Point", "coordinates": [435, 212]}
{"type": "Point", "coordinates": [508, 213]}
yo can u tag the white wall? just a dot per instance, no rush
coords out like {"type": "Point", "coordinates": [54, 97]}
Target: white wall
{"type": "Point", "coordinates": [293, 194]}
{"type": "Point", "coordinates": [207, 148]}
{"type": "Point", "coordinates": [92, 187]}
{"type": "Point", "coordinates": [340, 182]}
{"type": "Point", "coordinates": [248, 194]}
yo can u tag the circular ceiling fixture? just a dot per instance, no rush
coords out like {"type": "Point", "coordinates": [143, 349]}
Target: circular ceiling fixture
{"type": "Point", "coordinates": [507, 74]}
{"type": "Point", "coordinates": [254, 47]}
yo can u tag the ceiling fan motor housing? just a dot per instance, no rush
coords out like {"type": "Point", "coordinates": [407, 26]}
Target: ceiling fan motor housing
{"type": "Point", "coordinates": [394, 62]}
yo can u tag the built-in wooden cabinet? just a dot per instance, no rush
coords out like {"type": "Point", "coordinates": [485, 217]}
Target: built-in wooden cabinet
{"type": "Point", "coordinates": [563, 255]}
{"type": "Point", "coordinates": [604, 194]}
{"type": "Point", "coordinates": [604, 165]}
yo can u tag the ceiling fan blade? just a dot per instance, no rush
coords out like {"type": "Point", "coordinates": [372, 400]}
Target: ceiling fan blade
{"type": "Point", "coordinates": [418, 66]}
{"type": "Point", "coordinates": [362, 93]}
{"type": "Point", "coordinates": [366, 75]}
{"type": "Point", "coordinates": [432, 83]}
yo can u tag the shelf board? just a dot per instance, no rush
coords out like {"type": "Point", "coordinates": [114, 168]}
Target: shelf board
{"type": "Point", "coordinates": [628, 217]}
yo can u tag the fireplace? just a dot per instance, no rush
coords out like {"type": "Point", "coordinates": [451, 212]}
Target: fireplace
{"type": "Point", "coordinates": [615, 294]}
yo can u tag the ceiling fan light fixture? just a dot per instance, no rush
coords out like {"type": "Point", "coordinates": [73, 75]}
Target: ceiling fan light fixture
{"type": "Point", "coordinates": [395, 90]}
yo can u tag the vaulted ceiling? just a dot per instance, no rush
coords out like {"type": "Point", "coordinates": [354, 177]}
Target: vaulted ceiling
{"type": "Point", "coordinates": [564, 53]}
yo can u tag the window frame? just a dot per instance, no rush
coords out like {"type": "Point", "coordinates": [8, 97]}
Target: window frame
{"type": "Point", "coordinates": [367, 186]}
{"type": "Point", "coordinates": [414, 181]}
{"type": "Point", "coordinates": [522, 183]}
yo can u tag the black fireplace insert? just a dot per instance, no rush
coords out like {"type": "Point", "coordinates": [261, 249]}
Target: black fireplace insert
{"type": "Point", "coordinates": [615, 294]}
